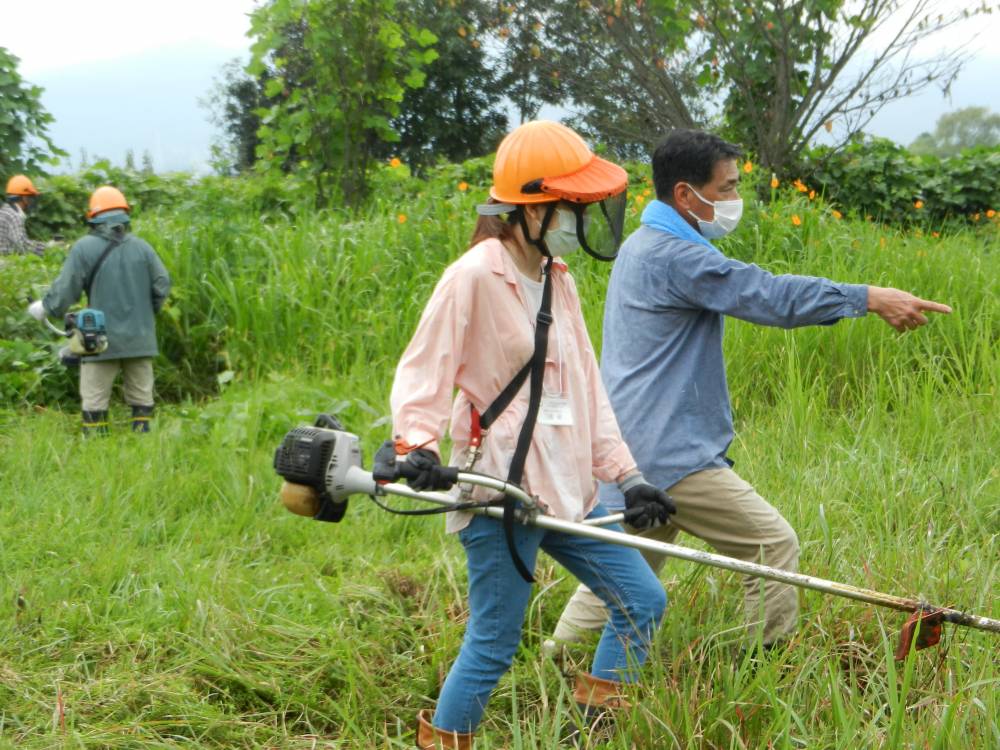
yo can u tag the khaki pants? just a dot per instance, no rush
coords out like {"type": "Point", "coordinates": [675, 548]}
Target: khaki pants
{"type": "Point", "coordinates": [717, 506]}
{"type": "Point", "coordinates": [96, 379]}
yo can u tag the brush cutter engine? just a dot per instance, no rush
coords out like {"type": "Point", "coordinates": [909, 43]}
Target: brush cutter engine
{"type": "Point", "coordinates": [321, 466]}
{"type": "Point", "coordinates": [87, 332]}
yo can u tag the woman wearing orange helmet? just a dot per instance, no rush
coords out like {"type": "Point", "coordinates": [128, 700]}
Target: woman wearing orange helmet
{"type": "Point", "coordinates": [504, 329]}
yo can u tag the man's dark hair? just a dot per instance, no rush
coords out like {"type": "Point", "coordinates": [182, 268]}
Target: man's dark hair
{"type": "Point", "coordinates": [688, 156]}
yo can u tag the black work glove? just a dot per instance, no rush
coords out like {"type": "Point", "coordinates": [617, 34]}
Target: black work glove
{"type": "Point", "coordinates": [423, 471]}
{"type": "Point", "coordinates": [646, 507]}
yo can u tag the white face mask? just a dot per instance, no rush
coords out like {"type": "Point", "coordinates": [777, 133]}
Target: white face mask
{"type": "Point", "coordinates": [727, 216]}
{"type": "Point", "coordinates": [560, 237]}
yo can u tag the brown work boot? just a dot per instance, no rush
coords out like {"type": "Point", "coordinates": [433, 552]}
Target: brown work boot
{"type": "Point", "coordinates": [598, 700]}
{"type": "Point", "coordinates": [432, 738]}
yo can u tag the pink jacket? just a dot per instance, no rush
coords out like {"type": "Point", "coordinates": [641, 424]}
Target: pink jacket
{"type": "Point", "coordinates": [475, 333]}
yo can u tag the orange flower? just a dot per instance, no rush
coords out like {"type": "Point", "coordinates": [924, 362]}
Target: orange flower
{"type": "Point", "coordinates": [401, 218]}
{"type": "Point", "coordinates": [463, 186]}
{"type": "Point", "coordinates": [990, 214]}
{"type": "Point", "coordinates": [747, 167]}
{"type": "Point", "coordinates": [800, 186]}
{"type": "Point", "coordinates": [796, 220]}
{"type": "Point", "coordinates": [976, 217]}
{"type": "Point", "coordinates": [640, 199]}
{"type": "Point", "coordinates": [935, 234]}
{"type": "Point", "coordinates": [395, 162]}
{"type": "Point", "coordinates": [836, 214]}
{"type": "Point", "coordinates": [647, 192]}
{"type": "Point", "coordinates": [774, 181]}
{"type": "Point", "coordinates": [812, 194]}
{"type": "Point", "coordinates": [918, 204]}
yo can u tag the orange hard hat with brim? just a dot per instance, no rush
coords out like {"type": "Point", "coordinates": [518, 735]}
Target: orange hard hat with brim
{"type": "Point", "coordinates": [106, 198]}
{"type": "Point", "coordinates": [20, 185]}
{"type": "Point", "coordinates": [543, 161]}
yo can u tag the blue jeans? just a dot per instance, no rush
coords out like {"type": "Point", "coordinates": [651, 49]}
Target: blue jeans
{"type": "Point", "coordinates": [498, 598]}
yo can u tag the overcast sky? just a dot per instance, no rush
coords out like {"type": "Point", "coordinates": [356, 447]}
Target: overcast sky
{"type": "Point", "coordinates": [55, 35]}
{"type": "Point", "coordinates": [128, 74]}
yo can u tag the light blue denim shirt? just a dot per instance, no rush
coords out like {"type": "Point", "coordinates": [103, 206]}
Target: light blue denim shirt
{"type": "Point", "coordinates": [662, 359]}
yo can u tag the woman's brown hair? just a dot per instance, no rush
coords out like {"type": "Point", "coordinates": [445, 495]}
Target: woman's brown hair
{"type": "Point", "coordinates": [494, 227]}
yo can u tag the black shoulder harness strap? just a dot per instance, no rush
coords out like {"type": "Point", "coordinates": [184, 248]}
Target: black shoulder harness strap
{"type": "Point", "coordinates": [535, 367]}
{"type": "Point", "coordinates": [112, 244]}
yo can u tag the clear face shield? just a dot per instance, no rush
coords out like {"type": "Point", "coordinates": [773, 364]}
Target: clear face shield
{"type": "Point", "coordinates": [600, 226]}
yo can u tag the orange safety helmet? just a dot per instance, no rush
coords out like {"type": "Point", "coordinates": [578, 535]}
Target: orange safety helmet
{"type": "Point", "coordinates": [106, 198]}
{"type": "Point", "coordinates": [543, 161]}
{"type": "Point", "coordinates": [21, 185]}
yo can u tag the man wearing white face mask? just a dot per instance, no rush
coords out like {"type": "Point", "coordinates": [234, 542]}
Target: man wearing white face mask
{"type": "Point", "coordinates": [664, 372]}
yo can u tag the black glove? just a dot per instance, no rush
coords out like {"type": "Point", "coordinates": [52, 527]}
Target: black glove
{"type": "Point", "coordinates": [423, 471]}
{"type": "Point", "coordinates": [645, 506]}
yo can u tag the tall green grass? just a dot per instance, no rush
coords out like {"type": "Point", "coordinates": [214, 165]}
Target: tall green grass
{"type": "Point", "coordinates": [153, 593]}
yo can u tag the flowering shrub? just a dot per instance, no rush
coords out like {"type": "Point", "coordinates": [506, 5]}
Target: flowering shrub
{"type": "Point", "coordinates": [881, 179]}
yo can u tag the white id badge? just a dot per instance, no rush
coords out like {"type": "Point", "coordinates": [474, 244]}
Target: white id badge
{"type": "Point", "coordinates": [555, 410]}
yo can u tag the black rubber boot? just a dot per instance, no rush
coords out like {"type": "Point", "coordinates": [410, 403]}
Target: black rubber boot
{"type": "Point", "coordinates": [95, 422]}
{"type": "Point", "coordinates": [141, 416]}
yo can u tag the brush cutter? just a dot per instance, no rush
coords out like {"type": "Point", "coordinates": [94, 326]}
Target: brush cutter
{"type": "Point", "coordinates": [86, 331]}
{"type": "Point", "coordinates": [322, 468]}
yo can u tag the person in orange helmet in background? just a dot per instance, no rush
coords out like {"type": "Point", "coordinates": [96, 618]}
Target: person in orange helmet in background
{"type": "Point", "coordinates": [504, 331]}
{"type": "Point", "coordinates": [14, 240]}
{"type": "Point", "coordinates": [124, 278]}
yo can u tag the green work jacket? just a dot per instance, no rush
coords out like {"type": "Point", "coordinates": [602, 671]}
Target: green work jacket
{"type": "Point", "coordinates": [129, 288]}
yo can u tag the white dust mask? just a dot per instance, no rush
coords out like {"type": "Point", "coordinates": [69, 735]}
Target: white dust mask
{"type": "Point", "coordinates": [560, 237]}
{"type": "Point", "coordinates": [727, 216]}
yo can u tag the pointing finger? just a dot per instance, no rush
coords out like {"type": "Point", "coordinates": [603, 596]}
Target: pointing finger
{"type": "Point", "coordinates": [937, 307]}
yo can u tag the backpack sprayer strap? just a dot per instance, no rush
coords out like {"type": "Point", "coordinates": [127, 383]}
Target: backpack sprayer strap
{"type": "Point", "coordinates": [112, 244]}
{"type": "Point", "coordinates": [535, 367]}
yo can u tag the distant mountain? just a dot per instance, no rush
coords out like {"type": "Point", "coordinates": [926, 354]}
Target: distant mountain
{"type": "Point", "coordinates": [144, 103]}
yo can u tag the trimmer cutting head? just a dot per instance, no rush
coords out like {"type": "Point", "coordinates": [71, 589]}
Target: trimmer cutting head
{"type": "Point", "coordinates": [921, 630]}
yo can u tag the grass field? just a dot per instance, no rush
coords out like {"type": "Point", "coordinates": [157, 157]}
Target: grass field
{"type": "Point", "coordinates": [154, 594]}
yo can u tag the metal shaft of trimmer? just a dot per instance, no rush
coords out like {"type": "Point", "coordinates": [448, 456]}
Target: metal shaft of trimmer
{"type": "Point", "coordinates": [594, 531]}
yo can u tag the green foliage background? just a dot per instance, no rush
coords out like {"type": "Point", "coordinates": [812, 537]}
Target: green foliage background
{"type": "Point", "coordinates": [25, 145]}
{"type": "Point", "coordinates": [883, 180]}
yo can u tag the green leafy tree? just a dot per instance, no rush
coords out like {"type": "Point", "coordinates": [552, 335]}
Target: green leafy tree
{"type": "Point", "coordinates": [772, 75]}
{"type": "Point", "coordinates": [334, 101]}
{"type": "Point", "coordinates": [622, 73]}
{"type": "Point", "coordinates": [25, 145]}
{"type": "Point", "coordinates": [460, 111]}
{"type": "Point", "coordinates": [956, 131]}
{"type": "Point", "coordinates": [789, 70]}
{"type": "Point", "coordinates": [233, 106]}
